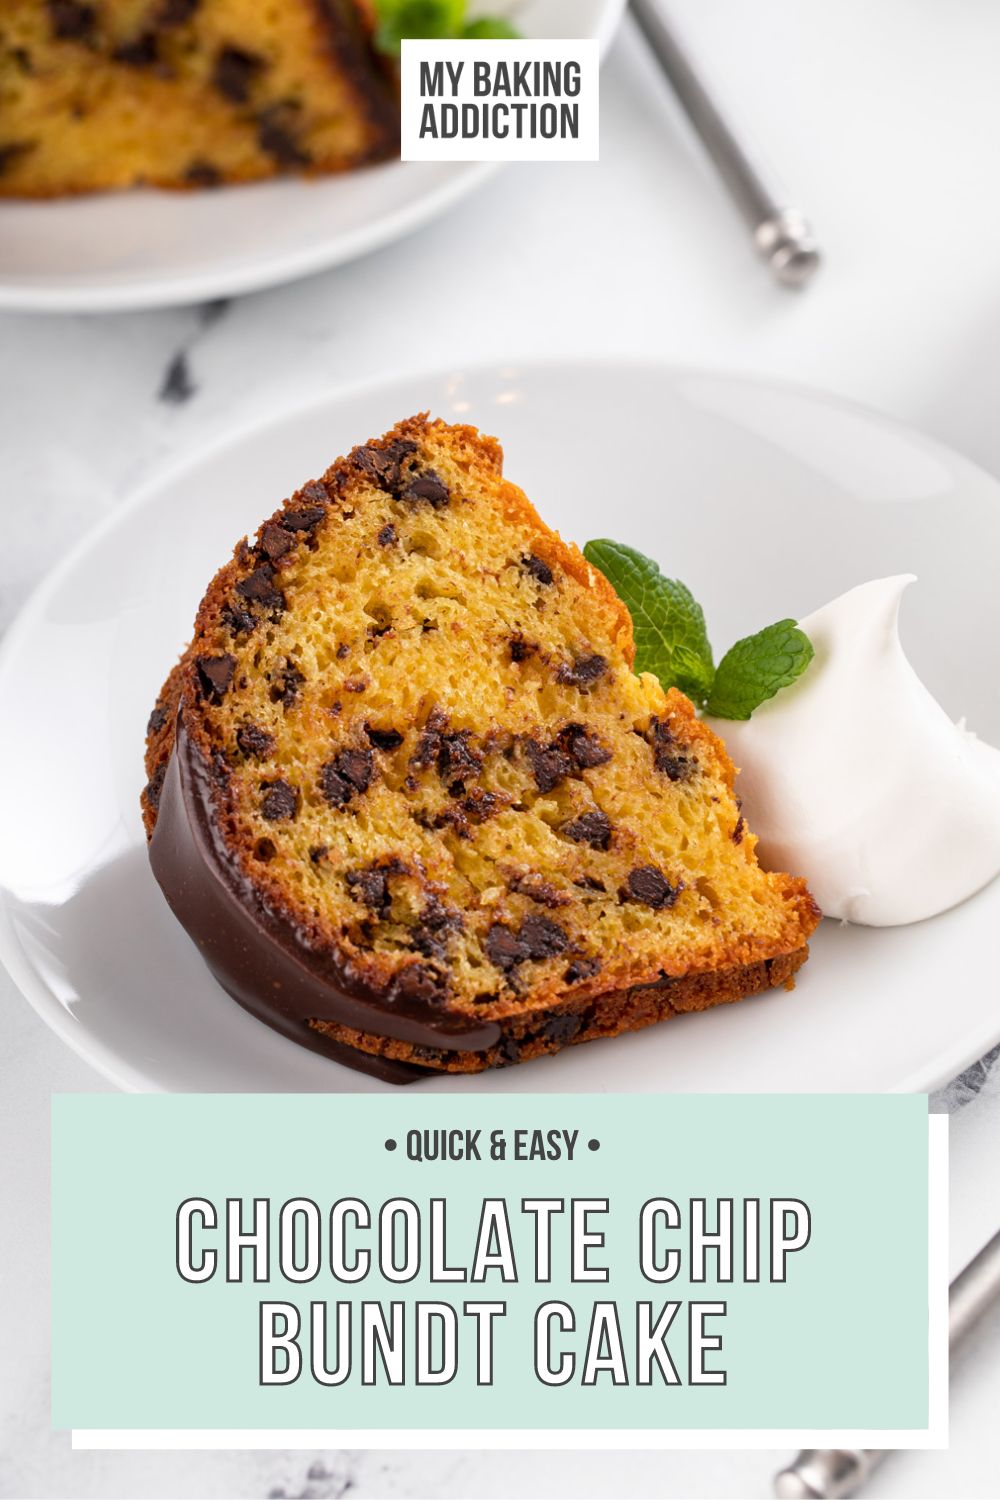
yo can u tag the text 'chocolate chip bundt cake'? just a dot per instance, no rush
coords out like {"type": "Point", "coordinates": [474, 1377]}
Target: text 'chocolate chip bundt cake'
{"type": "Point", "coordinates": [412, 803]}
{"type": "Point", "coordinates": [99, 94]}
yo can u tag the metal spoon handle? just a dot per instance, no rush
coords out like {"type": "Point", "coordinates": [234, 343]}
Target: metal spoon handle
{"type": "Point", "coordinates": [974, 1290]}
{"type": "Point", "coordinates": [781, 232]}
{"type": "Point", "coordinates": [829, 1473]}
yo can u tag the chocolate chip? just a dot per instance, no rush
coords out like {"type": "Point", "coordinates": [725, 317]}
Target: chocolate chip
{"type": "Point", "coordinates": [285, 688]}
{"type": "Point", "coordinates": [538, 889]}
{"type": "Point", "coordinates": [583, 746]}
{"type": "Point", "coordinates": [348, 772]}
{"type": "Point", "coordinates": [739, 830]}
{"type": "Point", "coordinates": [510, 1051]}
{"type": "Point", "coordinates": [429, 742]}
{"type": "Point", "coordinates": [276, 541]}
{"type": "Point", "coordinates": [370, 887]}
{"type": "Point", "coordinates": [384, 739]}
{"type": "Point", "coordinates": [318, 853]}
{"type": "Point", "coordinates": [427, 486]}
{"type": "Point", "coordinates": [71, 21]}
{"type": "Point", "coordinates": [542, 937]}
{"type": "Point", "coordinates": [156, 720]}
{"type": "Point", "coordinates": [237, 620]}
{"type": "Point", "coordinates": [480, 805]}
{"type": "Point", "coordinates": [235, 73]}
{"type": "Point", "coordinates": [582, 673]}
{"type": "Point", "coordinates": [549, 764]}
{"type": "Point", "coordinates": [142, 52]}
{"type": "Point", "coordinates": [456, 758]}
{"type": "Point", "coordinates": [419, 982]}
{"type": "Point", "coordinates": [382, 465]}
{"type": "Point", "coordinates": [591, 883]}
{"type": "Point", "coordinates": [668, 758]}
{"type": "Point", "coordinates": [580, 969]}
{"type": "Point", "coordinates": [253, 740]}
{"type": "Point", "coordinates": [176, 12]}
{"type": "Point", "coordinates": [648, 886]}
{"type": "Point", "coordinates": [593, 828]}
{"type": "Point", "coordinates": [537, 568]}
{"type": "Point", "coordinates": [387, 535]}
{"type": "Point", "coordinates": [154, 786]}
{"type": "Point", "coordinates": [276, 127]}
{"type": "Point", "coordinates": [308, 519]}
{"type": "Point", "coordinates": [561, 1029]}
{"type": "Point", "coordinates": [280, 801]}
{"type": "Point", "coordinates": [357, 766]}
{"type": "Point", "coordinates": [503, 949]}
{"type": "Point", "coordinates": [437, 923]}
{"type": "Point", "coordinates": [11, 151]}
{"type": "Point", "coordinates": [357, 685]}
{"type": "Point", "coordinates": [215, 673]}
{"type": "Point", "coordinates": [343, 650]}
{"type": "Point", "coordinates": [316, 492]}
{"type": "Point", "coordinates": [265, 850]}
{"type": "Point", "coordinates": [520, 649]}
{"type": "Point", "coordinates": [201, 173]}
{"type": "Point", "coordinates": [337, 791]}
{"type": "Point", "coordinates": [259, 588]}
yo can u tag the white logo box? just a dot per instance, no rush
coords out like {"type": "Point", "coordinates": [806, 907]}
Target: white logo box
{"type": "Point", "coordinates": [500, 100]}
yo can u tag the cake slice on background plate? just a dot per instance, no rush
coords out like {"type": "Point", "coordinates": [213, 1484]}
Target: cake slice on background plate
{"type": "Point", "coordinates": [100, 94]}
{"type": "Point", "coordinates": [408, 796]}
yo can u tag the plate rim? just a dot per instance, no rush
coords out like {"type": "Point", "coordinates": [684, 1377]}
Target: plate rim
{"type": "Point", "coordinates": [148, 293]}
{"type": "Point", "coordinates": [164, 289]}
{"type": "Point", "coordinates": [60, 1019]}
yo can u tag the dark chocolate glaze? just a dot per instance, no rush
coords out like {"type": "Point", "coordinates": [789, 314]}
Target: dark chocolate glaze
{"type": "Point", "coordinates": [256, 954]}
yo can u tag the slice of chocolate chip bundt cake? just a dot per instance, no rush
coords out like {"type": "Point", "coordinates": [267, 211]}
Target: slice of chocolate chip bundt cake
{"type": "Point", "coordinates": [411, 801]}
{"type": "Point", "coordinates": [97, 94]}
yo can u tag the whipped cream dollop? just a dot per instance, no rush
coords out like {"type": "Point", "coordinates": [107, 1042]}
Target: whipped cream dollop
{"type": "Point", "coordinates": [856, 778]}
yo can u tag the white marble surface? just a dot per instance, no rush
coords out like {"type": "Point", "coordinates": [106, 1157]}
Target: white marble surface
{"type": "Point", "coordinates": [884, 120]}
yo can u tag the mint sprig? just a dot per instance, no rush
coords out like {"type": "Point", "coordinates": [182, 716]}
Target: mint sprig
{"type": "Point", "coordinates": [434, 20]}
{"type": "Point", "coordinates": [671, 640]}
{"type": "Point", "coordinates": [490, 29]}
{"type": "Point", "coordinates": [756, 668]}
{"type": "Point", "coordinates": [669, 626]}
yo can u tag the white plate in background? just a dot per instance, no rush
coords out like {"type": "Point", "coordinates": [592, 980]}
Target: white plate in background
{"type": "Point", "coordinates": [767, 500]}
{"type": "Point", "coordinates": [109, 252]}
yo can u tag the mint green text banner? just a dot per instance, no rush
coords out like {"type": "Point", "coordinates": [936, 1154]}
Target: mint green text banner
{"type": "Point", "coordinates": [841, 1342]}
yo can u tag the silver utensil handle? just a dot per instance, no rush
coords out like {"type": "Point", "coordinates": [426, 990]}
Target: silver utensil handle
{"type": "Point", "coordinates": [973, 1291]}
{"type": "Point", "coordinates": [781, 232]}
{"type": "Point", "coordinates": [830, 1473]}
{"type": "Point", "coordinates": [826, 1473]}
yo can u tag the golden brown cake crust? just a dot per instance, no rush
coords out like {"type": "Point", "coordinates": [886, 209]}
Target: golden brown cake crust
{"type": "Point", "coordinates": [596, 930]}
{"type": "Point", "coordinates": [607, 1015]}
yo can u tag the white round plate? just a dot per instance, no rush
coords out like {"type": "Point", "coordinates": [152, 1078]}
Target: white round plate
{"type": "Point", "coordinates": [766, 500]}
{"type": "Point", "coordinates": [113, 251]}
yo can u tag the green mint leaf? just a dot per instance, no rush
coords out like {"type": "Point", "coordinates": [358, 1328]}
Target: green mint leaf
{"type": "Point", "coordinates": [490, 29]}
{"type": "Point", "coordinates": [757, 667]}
{"type": "Point", "coordinates": [429, 19]}
{"type": "Point", "coordinates": [670, 637]}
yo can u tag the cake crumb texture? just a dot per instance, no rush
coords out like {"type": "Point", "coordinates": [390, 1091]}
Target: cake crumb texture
{"type": "Point", "coordinates": [106, 94]}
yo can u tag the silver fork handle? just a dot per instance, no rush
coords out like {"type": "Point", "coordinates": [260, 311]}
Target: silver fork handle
{"type": "Point", "coordinates": [780, 232]}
